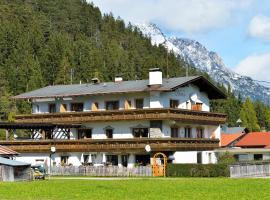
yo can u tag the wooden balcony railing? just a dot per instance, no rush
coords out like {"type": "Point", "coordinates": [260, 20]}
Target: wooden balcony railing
{"type": "Point", "coordinates": [183, 115]}
{"type": "Point", "coordinates": [112, 145]}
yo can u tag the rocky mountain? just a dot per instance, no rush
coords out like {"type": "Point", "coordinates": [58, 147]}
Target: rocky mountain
{"type": "Point", "coordinates": [207, 61]}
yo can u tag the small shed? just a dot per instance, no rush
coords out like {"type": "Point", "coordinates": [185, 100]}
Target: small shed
{"type": "Point", "coordinates": [12, 170]}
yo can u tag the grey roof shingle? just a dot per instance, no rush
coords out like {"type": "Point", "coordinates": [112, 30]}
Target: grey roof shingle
{"type": "Point", "coordinates": [105, 88]}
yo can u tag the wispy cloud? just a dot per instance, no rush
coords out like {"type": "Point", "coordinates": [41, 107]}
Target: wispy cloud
{"type": "Point", "coordinates": [256, 66]}
{"type": "Point", "coordinates": [190, 16]}
{"type": "Point", "coordinates": [259, 27]}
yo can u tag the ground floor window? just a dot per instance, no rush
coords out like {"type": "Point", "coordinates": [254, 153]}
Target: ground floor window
{"type": "Point", "coordinates": [142, 160]}
{"type": "Point", "coordinates": [258, 157]}
{"type": "Point", "coordinates": [124, 160]}
{"type": "Point", "coordinates": [112, 159]}
{"type": "Point", "coordinates": [140, 132]}
{"type": "Point", "coordinates": [64, 160]}
{"type": "Point", "coordinates": [199, 157]}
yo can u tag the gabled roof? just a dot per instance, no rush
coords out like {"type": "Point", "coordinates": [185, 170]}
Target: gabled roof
{"type": "Point", "coordinates": [227, 139]}
{"type": "Point", "coordinates": [122, 87]}
{"type": "Point", "coordinates": [5, 151]}
{"type": "Point", "coordinates": [14, 163]}
{"type": "Point", "coordinates": [255, 139]}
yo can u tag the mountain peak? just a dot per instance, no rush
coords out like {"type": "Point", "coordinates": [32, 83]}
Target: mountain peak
{"type": "Point", "coordinates": [207, 61]}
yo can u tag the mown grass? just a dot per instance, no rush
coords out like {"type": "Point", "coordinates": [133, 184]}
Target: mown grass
{"type": "Point", "coordinates": [178, 188]}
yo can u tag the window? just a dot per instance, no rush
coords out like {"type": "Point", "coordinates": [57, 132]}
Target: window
{"type": "Point", "coordinates": [187, 132]}
{"type": "Point", "coordinates": [174, 103]}
{"type": "Point", "coordinates": [127, 104]}
{"type": "Point", "coordinates": [197, 106]}
{"type": "Point", "coordinates": [200, 133]}
{"type": "Point", "coordinates": [64, 160]}
{"type": "Point", "coordinates": [109, 133]}
{"type": "Point", "coordinates": [174, 132]}
{"type": "Point", "coordinates": [48, 135]}
{"type": "Point", "coordinates": [52, 108]}
{"type": "Point", "coordinates": [85, 159]}
{"type": "Point", "coordinates": [112, 105]}
{"type": "Point", "coordinates": [112, 159]}
{"type": "Point", "coordinates": [258, 157]}
{"type": "Point", "coordinates": [139, 103]}
{"type": "Point", "coordinates": [85, 133]}
{"type": "Point", "coordinates": [124, 159]}
{"type": "Point", "coordinates": [37, 108]}
{"type": "Point", "coordinates": [63, 108]}
{"type": "Point", "coordinates": [77, 107]}
{"type": "Point", "coordinates": [209, 158]}
{"type": "Point", "coordinates": [199, 157]}
{"type": "Point", "coordinates": [140, 132]}
{"type": "Point", "coordinates": [95, 106]}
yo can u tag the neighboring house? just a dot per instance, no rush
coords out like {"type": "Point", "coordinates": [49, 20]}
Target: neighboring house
{"type": "Point", "coordinates": [247, 147]}
{"type": "Point", "coordinates": [229, 140]}
{"type": "Point", "coordinates": [112, 123]}
{"type": "Point", "coordinates": [231, 130]}
{"type": "Point", "coordinates": [7, 152]}
{"type": "Point", "coordinates": [12, 170]}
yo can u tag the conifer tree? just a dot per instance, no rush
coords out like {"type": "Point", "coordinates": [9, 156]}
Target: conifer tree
{"type": "Point", "coordinates": [248, 116]}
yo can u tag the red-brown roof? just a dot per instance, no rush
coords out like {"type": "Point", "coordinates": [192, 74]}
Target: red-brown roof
{"type": "Point", "coordinates": [255, 139]}
{"type": "Point", "coordinates": [7, 151]}
{"type": "Point", "coordinates": [227, 139]}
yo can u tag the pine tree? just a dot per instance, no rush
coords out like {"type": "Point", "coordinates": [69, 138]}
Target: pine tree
{"type": "Point", "coordinates": [248, 116]}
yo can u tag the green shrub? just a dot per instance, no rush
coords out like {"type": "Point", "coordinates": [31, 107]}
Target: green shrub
{"type": "Point", "coordinates": [197, 170]}
{"type": "Point", "coordinates": [226, 158]}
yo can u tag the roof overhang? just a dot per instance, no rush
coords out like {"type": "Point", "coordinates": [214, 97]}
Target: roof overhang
{"type": "Point", "coordinates": [205, 86]}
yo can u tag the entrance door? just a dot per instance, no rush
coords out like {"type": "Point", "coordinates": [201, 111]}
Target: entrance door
{"type": "Point", "coordinates": [159, 164]}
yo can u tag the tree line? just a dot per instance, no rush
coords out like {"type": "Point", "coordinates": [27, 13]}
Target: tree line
{"type": "Point", "coordinates": [48, 42]}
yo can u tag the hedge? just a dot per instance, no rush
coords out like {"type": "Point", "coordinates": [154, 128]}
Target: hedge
{"type": "Point", "coordinates": [197, 170]}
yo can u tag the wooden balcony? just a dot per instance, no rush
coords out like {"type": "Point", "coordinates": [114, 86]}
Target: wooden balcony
{"type": "Point", "coordinates": [113, 145]}
{"type": "Point", "coordinates": [183, 115]}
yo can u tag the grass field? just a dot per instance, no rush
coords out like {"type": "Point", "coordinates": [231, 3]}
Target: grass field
{"type": "Point", "coordinates": [182, 188]}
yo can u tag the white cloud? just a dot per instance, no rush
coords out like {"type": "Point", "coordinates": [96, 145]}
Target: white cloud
{"type": "Point", "coordinates": [259, 27]}
{"type": "Point", "coordinates": [255, 66]}
{"type": "Point", "coordinates": [179, 15]}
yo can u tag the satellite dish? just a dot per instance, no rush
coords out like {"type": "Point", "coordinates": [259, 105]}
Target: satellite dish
{"type": "Point", "coordinates": [147, 148]}
{"type": "Point", "coordinates": [193, 97]}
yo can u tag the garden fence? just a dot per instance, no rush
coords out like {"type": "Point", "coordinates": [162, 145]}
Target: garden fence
{"type": "Point", "coordinates": [101, 171]}
{"type": "Point", "coordinates": [249, 170]}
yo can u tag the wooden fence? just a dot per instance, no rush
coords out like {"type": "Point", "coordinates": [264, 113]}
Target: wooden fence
{"type": "Point", "coordinates": [250, 170]}
{"type": "Point", "coordinates": [101, 171]}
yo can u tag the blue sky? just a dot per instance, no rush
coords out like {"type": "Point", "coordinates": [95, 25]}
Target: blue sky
{"type": "Point", "coordinates": [238, 30]}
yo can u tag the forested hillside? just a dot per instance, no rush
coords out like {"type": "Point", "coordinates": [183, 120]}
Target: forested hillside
{"type": "Point", "coordinates": [42, 41]}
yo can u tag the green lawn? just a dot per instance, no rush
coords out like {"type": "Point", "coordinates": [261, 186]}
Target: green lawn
{"type": "Point", "coordinates": [178, 188]}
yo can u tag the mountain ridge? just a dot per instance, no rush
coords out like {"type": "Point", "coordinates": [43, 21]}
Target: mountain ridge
{"type": "Point", "coordinates": [207, 61]}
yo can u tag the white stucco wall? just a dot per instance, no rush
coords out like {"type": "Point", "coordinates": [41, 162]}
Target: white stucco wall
{"type": "Point", "coordinates": [185, 157]}
{"type": "Point", "coordinates": [153, 99]}
{"type": "Point", "coordinates": [183, 95]}
{"type": "Point", "coordinates": [191, 157]}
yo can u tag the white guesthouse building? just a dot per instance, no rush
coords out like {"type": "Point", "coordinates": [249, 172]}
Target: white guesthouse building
{"type": "Point", "coordinates": [111, 123]}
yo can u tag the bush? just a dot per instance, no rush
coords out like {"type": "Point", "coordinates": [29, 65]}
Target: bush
{"type": "Point", "coordinates": [226, 158]}
{"type": "Point", "coordinates": [197, 170]}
